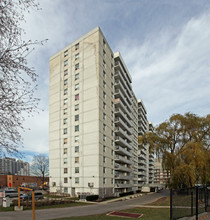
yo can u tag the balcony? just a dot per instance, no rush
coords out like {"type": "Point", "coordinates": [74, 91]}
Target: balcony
{"type": "Point", "coordinates": [122, 142]}
{"type": "Point", "coordinates": [121, 123]}
{"type": "Point", "coordinates": [119, 104]}
{"type": "Point", "coordinates": [121, 159]}
{"type": "Point", "coordinates": [120, 132]}
{"type": "Point", "coordinates": [120, 84]}
{"type": "Point", "coordinates": [122, 177]}
{"type": "Point", "coordinates": [119, 185]}
{"type": "Point", "coordinates": [122, 151]}
{"type": "Point", "coordinates": [118, 94]}
{"type": "Point", "coordinates": [121, 71]}
{"type": "Point", "coordinates": [127, 118]}
{"type": "Point", "coordinates": [119, 167]}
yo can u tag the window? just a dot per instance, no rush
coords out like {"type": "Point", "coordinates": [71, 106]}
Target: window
{"type": "Point", "coordinates": [104, 127]}
{"type": "Point", "coordinates": [112, 75]}
{"type": "Point", "coordinates": [76, 107]}
{"type": "Point", "coordinates": [112, 123]}
{"type": "Point", "coordinates": [104, 169]}
{"type": "Point", "coordinates": [104, 84]}
{"type": "Point", "coordinates": [104, 64]}
{"type": "Point", "coordinates": [112, 133]}
{"type": "Point", "coordinates": [65, 121]}
{"type": "Point", "coordinates": [65, 101]}
{"type": "Point", "coordinates": [76, 118]}
{"type": "Point", "coordinates": [112, 171]}
{"type": "Point", "coordinates": [104, 95]}
{"type": "Point", "coordinates": [77, 76]}
{"type": "Point", "coordinates": [112, 113]}
{"type": "Point", "coordinates": [76, 138]}
{"type": "Point", "coordinates": [65, 151]}
{"type": "Point", "coordinates": [112, 143]}
{"type": "Point", "coordinates": [65, 160]}
{"type": "Point", "coordinates": [65, 180]}
{"type": "Point", "coordinates": [65, 131]}
{"type": "Point", "coordinates": [76, 97]}
{"type": "Point", "coordinates": [112, 152]}
{"type": "Point", "coordinates": [112, 85]}
{"type": "Point", "coordinates": [65, 62]}
{"type": "Point", "coordinates": [76, 169]}
{"type": "Point", "coordinates": [104, 43]}
{"type": "Point", "coordinates": [104, 180]}
{"type": "Point", "coordinates": [76, 128]}
{"type": "Point", "coordinates": [104, 159]}
{"type": "Point", "coordinates": [77, 46]}
{"type": "Point", "coordinates": [77, 66]}
{"type": "Point", "coordinates": [65, 111]}
{"type": "Point", "coordinates": [104, 53]}
{"type": "Point", "coordinates": [65, 170]}
{"type": "Point", "coordinates": [112, 181]}
{"type": "Point", "coordinates": [111, 66]}
{"type": "Point", "coordinates": [112, 103]}
{"type": "Point", "coordinates": [65, 82]}
{"type": "Point", "coordinates": [104, 74]}
{"type": "Point", "coordinates": [65, 53]}
{"type": "Point", "coordinates": [65, 72]}
{"type": "Point", "coordinates": [112, 162]}
{"type": "Point", "coordinates": [76, 160]}
{"type": "Point", "coordinates": [76, 150]}
{"type": "Point", "coordinates": [65, 141]}
{"type": "Point", "coordinates": [76, 86]}
{"type": "Point", "coordinates": [104, 137]}
{"type": "Point", "coordinates": [76, 179]}
{"type": "Point", "coordinates": [65, 91]}
{"type": "Point", "coordinates": [77, 56]}
{"type": "Point", "coordinates": [111, 55]}
{"type": "Point", "coordinates": [104, 105]}
{"type": "Point", "coordinates": [104, 116]}
{"type": "Point", "coordinates": [65, 190]}
{"type": "Point", "coordinates": [104, 148]}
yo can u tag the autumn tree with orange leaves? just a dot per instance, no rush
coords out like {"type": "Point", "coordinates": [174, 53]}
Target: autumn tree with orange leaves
{"type": "Point", "coordinates": [183, 142]}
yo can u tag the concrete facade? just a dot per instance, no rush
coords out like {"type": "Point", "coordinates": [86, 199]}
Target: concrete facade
{"type": "Point", "coordinates": [145, 158]}
{"type": "Point", "coordinates": [93, 124]}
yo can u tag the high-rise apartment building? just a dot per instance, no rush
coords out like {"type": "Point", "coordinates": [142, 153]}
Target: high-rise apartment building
{"type": "Point", "coordinates": [14, 167]}
{"type": "Point", "coordinates": [93, 120]}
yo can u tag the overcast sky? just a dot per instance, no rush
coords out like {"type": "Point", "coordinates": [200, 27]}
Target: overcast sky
{"type": "Point", "coordinates": [164, 43]}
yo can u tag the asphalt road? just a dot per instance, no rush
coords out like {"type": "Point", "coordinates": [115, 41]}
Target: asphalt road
{"type": "Point", "coordinates": [83, 210]}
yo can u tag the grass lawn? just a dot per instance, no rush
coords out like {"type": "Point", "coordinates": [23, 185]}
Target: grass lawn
{"type": "Point", "coordinates": [72, 204]}
{"type": "Point", "coordinates": [148, 214]}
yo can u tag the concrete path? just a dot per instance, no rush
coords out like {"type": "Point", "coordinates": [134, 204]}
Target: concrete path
{"type": "Point", "coordinates": [94, 209]}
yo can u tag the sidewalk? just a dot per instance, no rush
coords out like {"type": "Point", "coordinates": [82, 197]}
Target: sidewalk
{"type": "Point", "coordinates": [202, 216]}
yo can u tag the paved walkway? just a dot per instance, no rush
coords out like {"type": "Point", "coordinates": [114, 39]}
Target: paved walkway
{"type": "Point", "coordinates": [94, 209]}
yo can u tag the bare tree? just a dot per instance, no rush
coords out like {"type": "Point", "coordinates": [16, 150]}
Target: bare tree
{"type": "Point", "coordinates": [40, 166]}
{"type": "Point", "coordinates": [17, 79]}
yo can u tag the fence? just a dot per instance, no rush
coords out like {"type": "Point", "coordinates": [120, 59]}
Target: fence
{"type": "Point", "coordinates": [189, 202]}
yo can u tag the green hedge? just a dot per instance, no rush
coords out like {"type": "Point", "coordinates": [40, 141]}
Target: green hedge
{"type": "Point", "coordinates": [92, 197]}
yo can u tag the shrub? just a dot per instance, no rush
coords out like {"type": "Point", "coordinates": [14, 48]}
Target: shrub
{"type": "Point", "coordinates": [126, 193]}
{"type": "Point", "coordinates": [92, 197]}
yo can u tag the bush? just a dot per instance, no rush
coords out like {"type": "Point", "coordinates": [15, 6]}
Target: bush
{"type": "Point", "coordinates": [138, 191]}
{"type": "Point", "coordinates": [126, 193]}
{"type": "Point", "coordinates": [92, 197]}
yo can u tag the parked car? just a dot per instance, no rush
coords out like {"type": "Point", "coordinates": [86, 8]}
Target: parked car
{"type": "Point", "coordinates": [25, 197]}
{"type": "Point", "coordinates": [11, 193]}
{"type": "Point", "coordinates": [37, 195]}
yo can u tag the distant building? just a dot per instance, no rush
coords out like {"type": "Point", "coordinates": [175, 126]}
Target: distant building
{"type": "Point", "coordinates": [14, 167]}
{"type": "Point", "coordinates": [161, 175]}
{"type": "Point", "coordinates": [20, 180]}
